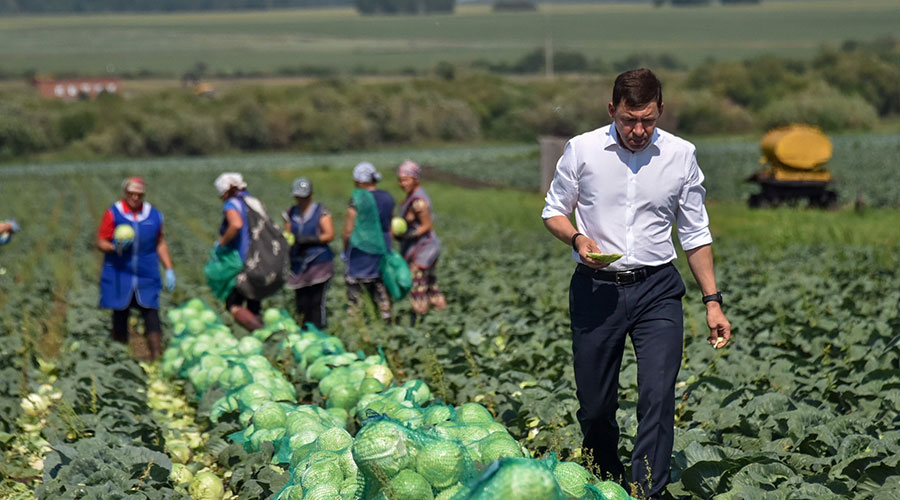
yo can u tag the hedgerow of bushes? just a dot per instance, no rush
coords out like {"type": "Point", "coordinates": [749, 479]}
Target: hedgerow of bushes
{"type": "Point", "coordinates": [850, 88]}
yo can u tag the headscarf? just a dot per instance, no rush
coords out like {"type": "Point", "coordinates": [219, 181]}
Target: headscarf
{"type": "Point", "coordinates": [229, 180]}
{"type": "Point", "coordinates": [365, 172]}
{"type": "Point", "coordinates": [409, 168]}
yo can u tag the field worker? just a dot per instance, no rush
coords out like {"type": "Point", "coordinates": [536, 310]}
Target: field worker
{"type": "Point", "coordinates": [234, 234]}
{"type": "Point", "coordinates": [367, 236]}
{"type": "Point", "coordinates": [419, 245]}
{"type": "Point", "coordinates": [629, 183]}
{"type": "Point", "coordinates": [7, 229]}
{"type": "Point", "coordinates": [130, 277]}
{"type": "Point", "coordinates": [312, 262]}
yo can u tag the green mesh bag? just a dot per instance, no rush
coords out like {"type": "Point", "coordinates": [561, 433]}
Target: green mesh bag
{"type": "Point", "coordinates": [367, 234]}
{"type": "Point", "coordinates": [396, 461]}
{"type": "Point", "coordinates": [221, 271]}
{"type": "Point", "coordinates": [577, 483]}
{"type": "Point", "coordinates": [323, 468]}
{"type": "Point", "coordinates": [395, 274]}
{"type": "Point", "coordinates": [515, 479]}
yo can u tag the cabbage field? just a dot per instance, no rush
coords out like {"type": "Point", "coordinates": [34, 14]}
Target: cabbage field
{"type": "Point", "coordinates": [804, 404]}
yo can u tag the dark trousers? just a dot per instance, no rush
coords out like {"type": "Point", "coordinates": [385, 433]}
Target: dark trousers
{"type": "Point", "coordinates": [310, 302]}
{"type": "Point", "coordinates": [120, 321]}
{"type": "Point", "coordinates": [603, 314]}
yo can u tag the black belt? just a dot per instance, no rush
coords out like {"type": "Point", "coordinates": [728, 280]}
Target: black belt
{"type": "Point", "coordinates": [620, 277]}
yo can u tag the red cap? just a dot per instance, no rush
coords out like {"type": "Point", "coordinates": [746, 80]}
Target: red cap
{"type": "Point", "coordinates": [133, 185]}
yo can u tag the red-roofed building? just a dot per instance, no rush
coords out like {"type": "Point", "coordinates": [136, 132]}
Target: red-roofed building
{"type": "Point", "coordinates": [73, 88]}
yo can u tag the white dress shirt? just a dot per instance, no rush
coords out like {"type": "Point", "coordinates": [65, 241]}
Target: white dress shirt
{"type": "Point", "coordinates": [628, 202]}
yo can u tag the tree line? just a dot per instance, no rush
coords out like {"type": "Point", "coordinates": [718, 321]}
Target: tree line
{"type": "Point", "coordinates": [48, 6]}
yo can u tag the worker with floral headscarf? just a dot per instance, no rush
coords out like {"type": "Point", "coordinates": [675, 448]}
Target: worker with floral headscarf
{"type": "Point", "coordinates": [419, 245]}
{"type": "Point", "coordinates": [131, 238]}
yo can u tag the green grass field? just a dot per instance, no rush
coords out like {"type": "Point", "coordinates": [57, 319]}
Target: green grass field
{"type": "Point", "coordinates": [341, 39]}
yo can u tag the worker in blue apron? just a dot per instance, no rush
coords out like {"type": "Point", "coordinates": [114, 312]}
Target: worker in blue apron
{"type": "Point", "coordinates": [130, 278]}
{"type": "Point", "coordinates": [312, 261]}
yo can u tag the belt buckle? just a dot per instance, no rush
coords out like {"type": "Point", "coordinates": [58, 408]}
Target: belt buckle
{"type": "Point", "coordinates": [626, 277]}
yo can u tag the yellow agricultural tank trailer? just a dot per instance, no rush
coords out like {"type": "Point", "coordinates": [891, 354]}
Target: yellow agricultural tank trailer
{"type": "Point", "coordinates": [794, 158]}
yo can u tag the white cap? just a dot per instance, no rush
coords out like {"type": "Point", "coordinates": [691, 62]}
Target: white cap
{"type": "Point", "coordinates": [229, 180]}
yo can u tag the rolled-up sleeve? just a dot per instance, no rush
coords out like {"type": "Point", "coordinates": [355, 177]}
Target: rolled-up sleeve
{"type": "Point", "coordinates": [692, 219]}
{"type": "Point", "coordinates": [563, 193]}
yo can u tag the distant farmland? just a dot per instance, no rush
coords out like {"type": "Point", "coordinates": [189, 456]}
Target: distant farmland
{"type": "Point", "coordinates": [340, 39]}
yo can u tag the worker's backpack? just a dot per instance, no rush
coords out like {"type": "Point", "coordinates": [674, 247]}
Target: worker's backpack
{"type": "Point", "coordinates": [266, 263]}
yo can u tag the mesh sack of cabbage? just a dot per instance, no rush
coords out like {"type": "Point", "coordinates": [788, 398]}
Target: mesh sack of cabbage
{"type": "Point", "coordinates": [293, 430]}
{"type": "Point", "coordinates": [229, 368]}
{"type": "Point", "coordinates": [402, 403]}
{"type": "Point", "coordinates": [249, 382]}
{"type": "Point", "coordinates": [401, 463]}
{"type": "Point", "coordinates": [324, 469]}
{"type": "Point", "coordinates": [547, 479]}
{"type": "Point", "coordinates": [192, 317]}
{"type": "Point", "coordinates": [483, 439]}
{"type": "Point", "coordinates": [578, 483]}
{"type": "Point", "coordinates": [515, 479]}
{"type": "Point", "coordinates": [345, 385]}
{"type": "Point", "coordinates": [276, 320]}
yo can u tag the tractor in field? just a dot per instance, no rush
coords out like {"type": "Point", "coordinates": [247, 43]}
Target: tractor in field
{"type": "Point", "coordinates": [794, 157]}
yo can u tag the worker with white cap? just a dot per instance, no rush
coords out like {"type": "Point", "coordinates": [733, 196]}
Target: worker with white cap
{"type": "Point", "coordinates": [131, 238]}
{"type": "Point", "coordinates": [235, 235]}
{"type": "Point", "coordinates": [367, 237]}
{"type": "Point", "coordinates": [312, 261]}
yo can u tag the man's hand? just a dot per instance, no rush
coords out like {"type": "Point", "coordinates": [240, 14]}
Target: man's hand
{"type": "Point", "coordinates": [584, 245]}
{"type": "Point", "coordinates": [719, 327]}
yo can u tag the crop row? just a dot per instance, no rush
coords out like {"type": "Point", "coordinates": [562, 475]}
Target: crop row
{"type": "Point", "coordinates": [403, 449]}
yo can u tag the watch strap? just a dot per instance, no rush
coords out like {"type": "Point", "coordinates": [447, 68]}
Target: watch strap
{"type": "Point", "coordinates": [575, 237]}
{"type": "Point", "coordinates": [715, 297]}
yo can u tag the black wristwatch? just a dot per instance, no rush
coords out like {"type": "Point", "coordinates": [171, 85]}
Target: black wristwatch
{"type": "Point", "coordinates": [575, 237]}
{"type": "Point", "coordinates": [716, 297]}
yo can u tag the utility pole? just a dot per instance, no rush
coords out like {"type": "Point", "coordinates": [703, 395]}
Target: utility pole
{"type": "Point", "coordinates": [548, 45]}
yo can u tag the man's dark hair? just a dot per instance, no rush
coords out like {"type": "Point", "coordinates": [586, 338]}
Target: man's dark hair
{"type": "Point", "coordinates": [638, 87]}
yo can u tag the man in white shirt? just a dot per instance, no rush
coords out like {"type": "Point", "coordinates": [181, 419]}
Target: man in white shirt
{"type": "Point", "coordinates": [629, 183]}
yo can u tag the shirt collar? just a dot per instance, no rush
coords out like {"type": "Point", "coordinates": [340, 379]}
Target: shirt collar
{"type": "Point", "coordinates": [612, 139]}
{"type": "Point", "coordinates": [127, 209]}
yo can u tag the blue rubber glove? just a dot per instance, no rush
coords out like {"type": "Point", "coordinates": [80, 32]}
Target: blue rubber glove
{"type": "Point", "coordinates": [170, 279]}
{"type": "Point", "coordinates": [122, 245]}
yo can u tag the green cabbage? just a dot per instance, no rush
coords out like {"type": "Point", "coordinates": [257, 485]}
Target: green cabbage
{"type": "Point", "coordinates": [269, 415]}
{"type": "Point", "coordinates": [612, 491]}
{"type": "Point", "coordinates": [334, 439]}
{"type": "Point", "coordinates": [440, 463]}
{"type": "Point", "coordinates": [206, 486]}
{"type": "Point", "coordinates": [321, 473]}
{"type": "Point", "coordinates": [473, 413]}
{"type": "Point", "coordinates": [572, 478]}
{"type": "Point", "coordinates": [180, 474]}
{"type": "Point", "coordinates": [408, 485]}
